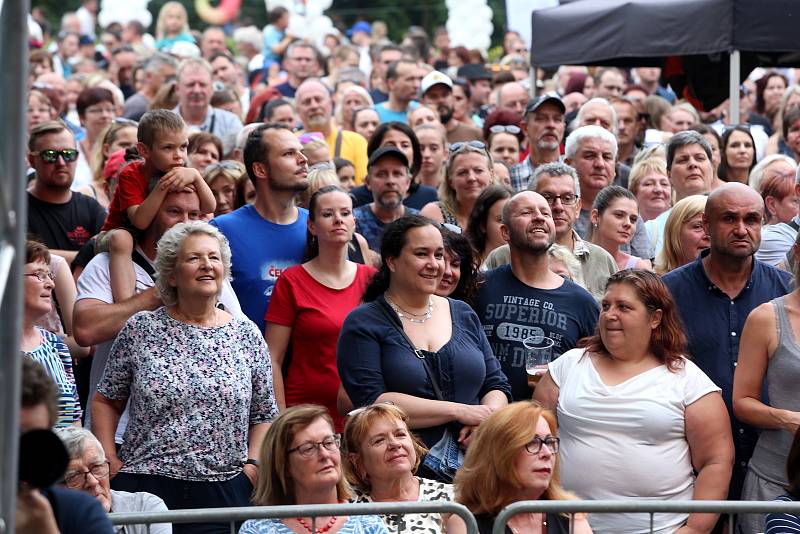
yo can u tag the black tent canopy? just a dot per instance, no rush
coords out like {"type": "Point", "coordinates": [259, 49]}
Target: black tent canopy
{"type": "Point", "coordinates": [699, 35]}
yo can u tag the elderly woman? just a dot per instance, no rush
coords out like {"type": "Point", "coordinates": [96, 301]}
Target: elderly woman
{"type": "Point", "coordinates": [42, 345]}
{"type": "Point", "coordinates": [650, 184]}
{"type": "Point", "coordinates": [353, 97]}
{"type": "Point", "coordinates": [200, 404]}
{"type": "Point", "coordinates": [222, 178]}
{"type": "Point", "coordinates": [684, 234]}
{"type": "Point", "coordinates": [631, 393]}
{"type": "Point", "coordinates": [301, 463]}
{"type": "Point", "coordinates": [383, 457]}
{"type": "Point", "coordinates": [89, 471]}
{"type": "Point", "coordinates": [468, 172]}
{"type": "Point", "coordinates": [769, 356]}
{"type": "Point", "coordinates": [425, 353]}
{"type": "Point", "coordinates": [514, 457]}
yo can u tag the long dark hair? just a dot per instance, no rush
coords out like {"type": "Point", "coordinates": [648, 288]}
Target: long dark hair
{"type": "Point", "coordinates": [476, 228]}
{"type": "Point", "coordinates": [392, 243]}
{"type": "Point", "coordinates": [458, 245]}
{"type": "Point", "coordinates": [312, 244]}
{"type": "Point", "coordinates": [722, 171]}
{"type": "Point", "coordinates": [384, 128]}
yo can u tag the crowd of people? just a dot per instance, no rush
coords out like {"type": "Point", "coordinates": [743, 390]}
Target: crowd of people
{"type": "Point", "coordinates": [269, 270]}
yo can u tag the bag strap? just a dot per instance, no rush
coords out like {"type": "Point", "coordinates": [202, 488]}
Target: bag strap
{"type": "Point", "coordinates": [417, 352]}
{"type": "Point", "coordinates": [140, 260]}
{"type": "Point", "coordinates": [337, 151]}
{"type": "Point", "coordinates": [794, 225]}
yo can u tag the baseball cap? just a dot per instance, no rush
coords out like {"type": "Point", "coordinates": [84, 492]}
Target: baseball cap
{"type": "Point", "coordinates": [435, 77]}
{"type": "Point", "coordinates": [387, 151]}
{"type": "Point", "coordinates": [539, 101]}
{"type": "Point", "coordinates": [360, 26]}
{"type": "Point", "coordinates": [474, 71]}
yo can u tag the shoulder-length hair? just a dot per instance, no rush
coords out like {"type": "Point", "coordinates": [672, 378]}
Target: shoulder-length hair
{"type": "Point", "coordinates": [722, 170]}
{"type": "Point", "coordinates": [488, 480]}
{"type": "Point", "coordinates": [376, 141]}
{"type": "Point", "coordinates": [671, 255]}
{"type": "Point", "coordinates": [447, 194]}
{"type": "Point", "coordinates": [667, 340]}
{"type": "Point", "coordinates": [478, 219]}
{"type": "Point", "coordinates": [458, 245]}
{"type": "Point", "coordinates": [275, 486]}
{"type": "Point", "coordinates": [356, 431]}
{"type": "Point", "coordinates": [168, 253]}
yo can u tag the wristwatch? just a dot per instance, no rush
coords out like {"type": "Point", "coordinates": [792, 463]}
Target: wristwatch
{"type": "Point", "coordinates": [251, 461]}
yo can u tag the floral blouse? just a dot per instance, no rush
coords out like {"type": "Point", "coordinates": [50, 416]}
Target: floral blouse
{"type": "Point", "coordinates": [194, 392]}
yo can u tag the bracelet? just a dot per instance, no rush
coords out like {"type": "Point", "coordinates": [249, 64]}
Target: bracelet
{"type": "Point", "coordinates": [251, 461]}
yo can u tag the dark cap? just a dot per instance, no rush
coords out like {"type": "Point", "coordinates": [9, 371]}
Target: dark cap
{"type": "Point", "coordinates": [539, 101]}
{"type": "Point", "coordinates": [387, 151]}
{"type": "Point", "coordinates": [474, 71]}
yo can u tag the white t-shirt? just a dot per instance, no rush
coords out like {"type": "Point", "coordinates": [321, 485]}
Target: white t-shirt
{"type": "Point", "coordinates": [95, 283]}
{"type": "Point", "coordinates": [626, 441]}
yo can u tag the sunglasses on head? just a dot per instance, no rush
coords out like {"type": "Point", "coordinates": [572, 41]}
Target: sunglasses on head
{"type": "Point", "coordinates": [51, 156]}
{"type": "Point", "coordinates": [455, 147]}
{"type": "Point", "coordinates": [500, 128]}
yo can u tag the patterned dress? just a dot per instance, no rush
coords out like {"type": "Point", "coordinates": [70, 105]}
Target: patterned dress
{"type": "Point", "coordinates": [355, 524]}
{"type": "Point", "coordinates": [194, 392]}
{"type": "Point", "coordinates": [429, 490]}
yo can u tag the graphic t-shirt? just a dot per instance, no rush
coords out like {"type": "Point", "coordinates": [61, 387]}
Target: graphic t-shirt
{"type": "Point", "coordinates": [66, 226]}
{"type": "Point", "coordinates": [512, 311]}
{"type": "Point", "coordinates": [261, 251]}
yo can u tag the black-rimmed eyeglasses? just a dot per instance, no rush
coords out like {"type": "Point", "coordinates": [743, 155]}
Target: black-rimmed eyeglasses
{"type": "Point", "coordinates": [535, 445]}
{"type": "Point", "coordinates": [307, 449]}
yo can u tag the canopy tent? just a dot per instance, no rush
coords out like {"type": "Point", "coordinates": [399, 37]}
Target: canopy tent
{"type": "Point", "coordinates": [695, 41]}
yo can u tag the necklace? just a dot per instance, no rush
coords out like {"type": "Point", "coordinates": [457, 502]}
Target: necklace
{"type": "Point", "coordinates": [418, 318]}
{"type": "Point", "coordinates": [326, 528]}
{"type": "Point", "coordinates": [519, 530]}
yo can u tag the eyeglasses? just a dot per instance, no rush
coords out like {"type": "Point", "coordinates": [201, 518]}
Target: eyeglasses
{"type": "Point", "coordinates": [499, 128]}
{"type": "Point", "coordinates": [567, 199]}
{"type": "Point", "coordinates": [42, 276]}
{"type": "Point", "coordinates": [99, 111]}
{"type": "Point", "coordinates": [78, 480]}
{"type": "Point", "coordinates": [535, 445]}
{"type": "Point", "coordinates": [51, 156]}
{"type": "Point", "coordinates": [455, 147]}
{"type": "Point", "coordinates": [306, 450]}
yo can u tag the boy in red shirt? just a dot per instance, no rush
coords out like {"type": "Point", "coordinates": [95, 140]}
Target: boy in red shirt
{"type": "Point", "coordinates": [143, 184]}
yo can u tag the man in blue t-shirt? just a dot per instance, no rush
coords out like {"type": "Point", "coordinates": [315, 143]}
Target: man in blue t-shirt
{"type": "Point", "coordinates": [269, 235]}
{"type": "Point", "coordinates": [403, 80]}
{"type": "Point", "coordinates": [526, 299]}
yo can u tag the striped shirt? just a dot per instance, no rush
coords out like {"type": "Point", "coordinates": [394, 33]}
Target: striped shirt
{"type": "Point", "coordinates": [782, 523]}
{"type": "Point", "coordinates": [54, 355]}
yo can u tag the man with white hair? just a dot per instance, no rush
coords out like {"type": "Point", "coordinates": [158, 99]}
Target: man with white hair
{"type": "Point", "coordinates": [315, 109]}
{"type": "Point", "coordinates": [592, 151]}
{"type": "Point", "coordinates": [600, 112]}
{"type": "Point", "coordinates": [247, 41]}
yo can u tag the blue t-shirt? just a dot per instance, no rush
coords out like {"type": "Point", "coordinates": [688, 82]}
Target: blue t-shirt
{"type": "Point", "coordinates": [355, 524]}
{"type": "Point", "coordinates": [512, 311]}
{"type": "Point", "coordinates": [387, 115]}
{"type": "Point", "coordinates": [369, 226]}
{"type": "Point", "coordinates": [261, 251]}
{"type": "Point", "coordinates": [373, 358]}
{"type": "Point", "coordinates": [77, 512]}
{"type": "Point", "coordinates": [782, 523]}
{"type": "Point", "coordinates": [272, 36]}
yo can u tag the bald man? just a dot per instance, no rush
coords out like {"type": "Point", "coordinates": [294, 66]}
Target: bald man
{"type": "Point", "coordinates": [315, 110]}
{"type": "Point", "coordinates": [717, 292]}
{"type": "Point", "coordinates": [527, 297]}
{"type": "Point", "coordinates": [513, 95]}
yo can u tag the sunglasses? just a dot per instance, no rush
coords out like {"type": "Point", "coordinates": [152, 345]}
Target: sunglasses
{"type": "Point", "coordinates": [51, 156]}
{"type": "Point", "coordinates": [500, 128]}
{"type": "Point", "coordinates": [455, 147]}
{"type": "Point", "coordinates": [227, 165]}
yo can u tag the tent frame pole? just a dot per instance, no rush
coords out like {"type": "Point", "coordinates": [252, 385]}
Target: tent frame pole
{"type": "Point", "coordinates": [733, 85]}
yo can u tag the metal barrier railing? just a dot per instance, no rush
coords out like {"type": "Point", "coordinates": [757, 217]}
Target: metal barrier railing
{"type": "Point", "coordinates": [729, 508]}
{"type": "Point", "coordinates": [232, 515]}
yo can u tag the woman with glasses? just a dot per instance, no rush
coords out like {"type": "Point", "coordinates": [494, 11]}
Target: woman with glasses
{"type": "Point", "coordinates": [468, 172]}
{"type": "Point", "coordinates": [737, 154]}
{"type": "Point", "coordinates": [223, 178]}
{"type": "Point", "coordinates": [630, 392]}
{"type": "Point", "coordinates": [41, 345]}
{"type": "Point", "coordinates": [200, 403]}
{"type": "Point", "coordinates": [88, 470]}
{"type": "Point", "coordinates": [96, 109]}
{"type": "Point", "coordinates": [514, 457]}
{"type": "Point", "coordinates": [119, 135]}
{"type": "Point", "coordinates": [425, 353]}
{"type": "Point", "coordinates": [301, 463]}
{"type": "Point", "coordinates": [383, 456]}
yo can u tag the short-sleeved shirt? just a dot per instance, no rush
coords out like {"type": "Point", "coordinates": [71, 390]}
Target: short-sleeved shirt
{"type": "Point", "coordinates": [315, 313]}
{"type": "Point", "coordinates": [387, 115]}
{"type": "Point", "coordinates": [54, 356]}
{"type": "Point", "coordinates": [511, 311]}
{"type": "Point", "coordinates": [371, 227]}
{"type": "Point", "coordinates": [355, 524]}
{"type": "Point", "coordinates": [261, 251]}
{"type": "Point", "coordinates": [639, 425]}
{"type": "Point", "coordinates": [272, 37]}
{"type": "Point", "coordinates": [132, 190]}
{"type": "Point", "coordinates": [374, 358]}
{"type": "Point", "coordinates": [353, 149]}
{"type": "Point", "coordinates": [66, 226]}
{"type": "Point", "coordinates": [192, 400]}
{"type": "Point", "coordinates": [776, 241]}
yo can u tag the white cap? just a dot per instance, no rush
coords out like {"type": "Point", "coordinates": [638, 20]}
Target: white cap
{"type": "Point", "coordinates": [435, 77]}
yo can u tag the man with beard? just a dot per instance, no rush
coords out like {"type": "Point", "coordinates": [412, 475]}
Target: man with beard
{"type": "Point", "coordinates": [194, 90]}
{"type": "Point", "coordinates": [437, 92]}
{"type": "Point", "coordinates": [388, 179]}
{"type": "Point", "coordinates": [269, 235]}
{"type": "Point", "coordinates": [544, 123]}
{"type": "Point", "coordinates": [526, 299]}
{"type": "Point", "coordinates": [715, 294]}
{"type": "Point", "coordinates": [315, 109]}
